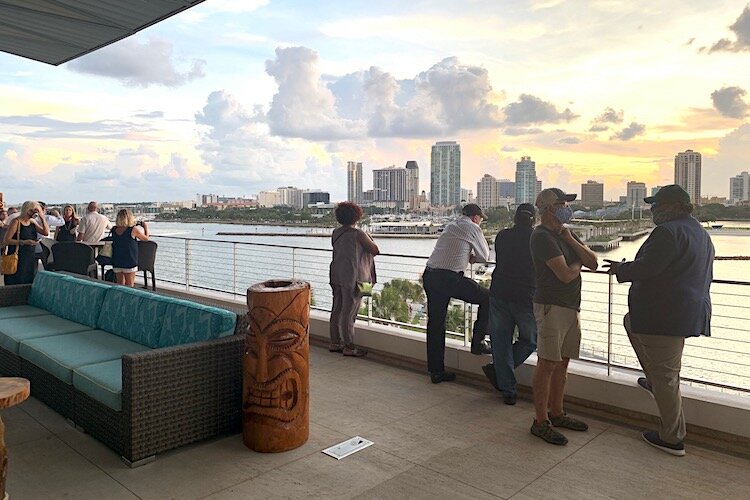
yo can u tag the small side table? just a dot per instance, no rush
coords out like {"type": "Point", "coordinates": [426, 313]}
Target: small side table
{"type": "Point", "coordinates": [12, 392]}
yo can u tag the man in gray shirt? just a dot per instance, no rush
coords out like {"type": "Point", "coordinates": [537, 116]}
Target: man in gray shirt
{"type": "Point", "coordinates": [93, 225]}
{"type": "Point", "coordinates": [558, 256]}
{"type": "Point", "coordinates": [461, 242]}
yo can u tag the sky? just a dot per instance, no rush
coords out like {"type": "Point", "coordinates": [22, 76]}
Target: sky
{"type": "Point", "coordinates": [236, 96]}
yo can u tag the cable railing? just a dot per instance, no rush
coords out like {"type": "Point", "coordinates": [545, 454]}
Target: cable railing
{"type": "Point", "coordinates": [228, 268]}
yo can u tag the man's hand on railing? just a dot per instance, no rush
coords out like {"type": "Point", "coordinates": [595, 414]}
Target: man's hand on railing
{"type": "Point", "coordinates": [613, 265]}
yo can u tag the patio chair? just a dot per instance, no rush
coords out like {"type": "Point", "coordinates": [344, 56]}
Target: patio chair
{"type": "Point", "coordinates": [75, 258]}
{"type": "Point", "coordinates": [146, 261]}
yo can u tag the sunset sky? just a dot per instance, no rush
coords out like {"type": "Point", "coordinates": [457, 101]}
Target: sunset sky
{"type": "Point", "coordinates": [232, 97]}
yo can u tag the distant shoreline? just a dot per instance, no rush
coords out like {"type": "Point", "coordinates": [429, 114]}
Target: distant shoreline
{"type": "Point", "coordinates": [246, 223]}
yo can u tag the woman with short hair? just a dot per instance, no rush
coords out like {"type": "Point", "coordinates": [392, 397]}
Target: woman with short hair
{"type": "Point", "coordinates": [353, 264]}
{"type": "Point", "coordinates": [23, 234]}
{"type": "Point", "coordinates": [125, 236]}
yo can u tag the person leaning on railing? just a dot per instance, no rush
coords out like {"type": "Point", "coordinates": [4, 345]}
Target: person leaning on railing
{"type": "Point", "coordinates": [668, 301]}
{"type": "Point", "coordinates": [351, 272]}
{"type": "Point", "coordinates": [125, 236]}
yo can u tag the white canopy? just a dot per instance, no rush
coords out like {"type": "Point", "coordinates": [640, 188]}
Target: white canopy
{"type": "Point", "coordinates": [56, 31]}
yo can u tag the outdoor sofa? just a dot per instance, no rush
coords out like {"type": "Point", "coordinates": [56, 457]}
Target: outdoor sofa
{"type": "Point", "coordinates": [139, 371]}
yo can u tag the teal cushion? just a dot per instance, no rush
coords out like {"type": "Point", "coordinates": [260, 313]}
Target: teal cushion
{"type": "Point", "coordinates": [46, 292]}
{"type": "Point", "coordinates": [101, 381]}
{"type": "Point", "coordinates": [133, 314]}
{"type": "Point", "coordinates": [82, 300]}
{"type": "Point", "coordinates": [13, 331]}
{"type": "Point", "coordinates": [21, 312]}
{"type": "Point", "coordinates": [186, 322]}
{"type": "Point", "coordinates": [61, 354]}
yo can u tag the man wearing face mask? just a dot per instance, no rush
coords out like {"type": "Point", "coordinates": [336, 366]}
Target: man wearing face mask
{"type": "Point", "coordinates": [668, 301]}
{"type": "Point", "coordinates": [558, 256]}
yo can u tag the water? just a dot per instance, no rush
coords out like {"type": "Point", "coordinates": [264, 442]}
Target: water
{"type": "Point", "coordinates": [219, 264]}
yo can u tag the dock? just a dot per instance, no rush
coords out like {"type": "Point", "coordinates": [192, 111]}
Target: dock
{"type": "Point", "coordinates": [634, 235]}
{"type": "Point", "coordinates": [604, 245]}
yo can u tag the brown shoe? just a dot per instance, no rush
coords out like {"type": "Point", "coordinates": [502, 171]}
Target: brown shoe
{"type": "Point", "coordinates": [356, 352]}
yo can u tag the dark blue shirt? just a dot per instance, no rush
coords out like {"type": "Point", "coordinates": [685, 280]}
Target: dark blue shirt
{"type": "Point", "coordinates": [671, 275]}
{"type": "Point", "coordinates": [513, 277]}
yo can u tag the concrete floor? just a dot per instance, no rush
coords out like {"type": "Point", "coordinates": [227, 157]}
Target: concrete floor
{"type": "Point", "coordinates": [431, 441]}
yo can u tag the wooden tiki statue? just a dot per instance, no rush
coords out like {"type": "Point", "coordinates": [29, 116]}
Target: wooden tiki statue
{"type": "Point", "coordinates": [276, 384]}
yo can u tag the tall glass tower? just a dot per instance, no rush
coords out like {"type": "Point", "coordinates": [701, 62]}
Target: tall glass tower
{"type": "Point", "coordinates": [354, 181]}
{"type": "Point", "coordinates": [526, 185]}
{"type": "Point", "coordinates": [445, 174]}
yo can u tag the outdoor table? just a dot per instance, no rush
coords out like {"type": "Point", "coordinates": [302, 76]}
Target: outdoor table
{"type": "Point", "coordinates": [12, 391]}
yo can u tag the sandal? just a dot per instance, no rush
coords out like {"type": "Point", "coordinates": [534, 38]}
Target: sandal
{"type": "Point", "coordinates": [356, 352]}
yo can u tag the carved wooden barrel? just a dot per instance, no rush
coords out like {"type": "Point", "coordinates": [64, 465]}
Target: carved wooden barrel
{"type": "Point", "coordinates": [276, 383]}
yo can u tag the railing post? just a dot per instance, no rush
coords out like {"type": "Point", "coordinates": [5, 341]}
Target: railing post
{"type": "Point", "coordinates": [609, 325]}
{"type": "Point", "coordinates": [187, 264]}
{"type": "Point", "coordinates": [294, 261]}
{"type": "Point", "coordinates": [234, 269]}
{"type": "Point", "coordinates": [369, 310]}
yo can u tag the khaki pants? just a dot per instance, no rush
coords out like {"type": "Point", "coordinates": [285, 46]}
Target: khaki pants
{"type": "Point", "coordinates": [661, 359]}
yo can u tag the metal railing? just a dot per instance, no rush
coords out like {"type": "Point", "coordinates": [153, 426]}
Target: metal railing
{"type": "Point", "coordinates": [228, 268]}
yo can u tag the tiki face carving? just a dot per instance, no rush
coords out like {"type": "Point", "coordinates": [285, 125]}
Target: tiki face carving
{"type": "Point", "coordinates": [276, 368]}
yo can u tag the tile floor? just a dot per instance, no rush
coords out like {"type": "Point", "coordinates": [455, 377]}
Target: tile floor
{"type": "Point", "coordinates": [431, 441]}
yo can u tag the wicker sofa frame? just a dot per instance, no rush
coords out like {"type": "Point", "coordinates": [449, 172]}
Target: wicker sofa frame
{"type": "Point", "coordinates": [171, 396]}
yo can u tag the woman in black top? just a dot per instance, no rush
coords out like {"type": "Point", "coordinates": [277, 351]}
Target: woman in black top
{"type": "Point", "coordinates": [68, 231]}
{"type": "Point", "coordinates": [125, 236]}
{"type": "Point", "coordinates": [30, 229]}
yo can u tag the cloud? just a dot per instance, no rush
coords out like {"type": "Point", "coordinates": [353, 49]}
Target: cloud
{"type": "Point", "coordinates": [629, 132]}
{"type": "Point", "coordinates": [522, 131]}
{"type": "Point", "coordinates": [138, 64]}
{"type": "Point", "coordinates": [570, 140]}
{"type": "Point", "coordinates": [42, 126]}
{"type": "Point", "coordinates": [730, 160]}
{"type": "Point", "coordinates": [729, 102]}
{"type": "Point", "coordinates": [741, 29]}
{"type": "Point", "coordinates": [609, 115]}
{"type": "Point", "coordinates": [149, 114]}
{"type": "Point", "coordinates": [442, 100]}
{"type": "Point", "coordinates": [530, 109]}
{"type": "Point", "coordinates": [508, 149]}
{"type": "Point", "coordinates": [599, 128]}
{"type": "Point", "coordinates": [303, 106]}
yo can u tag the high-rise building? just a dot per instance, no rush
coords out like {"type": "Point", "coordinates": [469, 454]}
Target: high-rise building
{"type": "Point", "coordinates": [445, 174]}
{"type": "Point", "coordinates": [269, 198]}
{"type": "Point", "coordinates": [389, 184]}
{"type": "Point", "coordinates": [290, 196]}
{"type": "Point", "coordinates": [506, 188]}
{"type": "Point", "coordinates": [687, 173]}
{"type": "Point", "coordinates": [592, 194]}
{"type": "Point", "coordinates": [467, 196]}
{"type": "Point", "coordinates": [526, 183]}
{"type": "Point", "coordinates": [354, 181]}
{"type": "Point", "coordinates": [538, 187]}
{"type": "Point", "coordinates": [315, 196]}
{"type": "Point", "coordinates": [739, 188]}
{"type": "Point", "coordinates": [636, 192]}
{"type": "Point", "coordinates": [655, 189]}
{"type": "Point", "coordinates": [412, 184]}
{"type": "Point", "coordinates": [487, 192]}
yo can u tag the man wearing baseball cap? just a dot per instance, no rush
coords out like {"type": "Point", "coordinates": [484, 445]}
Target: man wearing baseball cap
{"type": "Point", "coordinates": [558, 257]}
{"type": "Point", "coordinates": [668, 301]}
{"type": "Point", "coordinates": [461, 242]}
{"type": "Point", "coordinates": [511, 303]}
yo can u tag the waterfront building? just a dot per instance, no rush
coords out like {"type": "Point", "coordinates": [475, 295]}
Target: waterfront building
{"type": "Point", "coordinates": [445, 174]}
{"type": "Point", "coordinates": [291, 196]}
{"type": "Point", "coordinates": [354, 181]}
{"type": "Point", "coordinates": [389, 184]}
{"type": "Point", "coordinates": [592, 194]}
{"type": "Point", "coordinates": [487, 192]}
{"type": "Point", "coordinates": [412, 184]}
{"type": "Point", "coordinates": [714, 200]}
{"type": "Point", "coordinates": [368, 197]}
{"type": "Point", "coordinates": [269, 198]}
{"type": "Point", "coordinates": [739, 188]}
{"type": "Point", "coordinates": [467, 196]}
{"type": "Point", "coordinates": [506, 188]}
{"type": "Point", "coordinates": [687, 173]}
{"type": "Point", "coordinates": [526, 182]}
{"type": "Point", "coordinates": [538, 187]}
{"type": "Point", "coordinates": [636, 192]}
{"type": "Point", "coordinates": [314, 197]}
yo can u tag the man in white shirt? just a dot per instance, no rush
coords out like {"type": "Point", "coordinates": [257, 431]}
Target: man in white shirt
{"type": "Point", "coordinates": [461, 242]}
{"type": "Point", "coordinates": [93, 225]}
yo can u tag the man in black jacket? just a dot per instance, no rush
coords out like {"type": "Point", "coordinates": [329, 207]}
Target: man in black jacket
{"type": "Point", "coordinates": [668, 301]}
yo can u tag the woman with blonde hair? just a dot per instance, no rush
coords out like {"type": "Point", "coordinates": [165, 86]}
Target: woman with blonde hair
{"type": "Point", "coordinates": [67, 232]}
{"type": "Point", "coordinates": [22, 237]}
{"type": "Point", "coordinates": [125, 236]}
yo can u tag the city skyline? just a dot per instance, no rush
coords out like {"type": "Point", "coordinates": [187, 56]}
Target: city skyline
{"type": "Point", "coordinates": [239, 96]}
